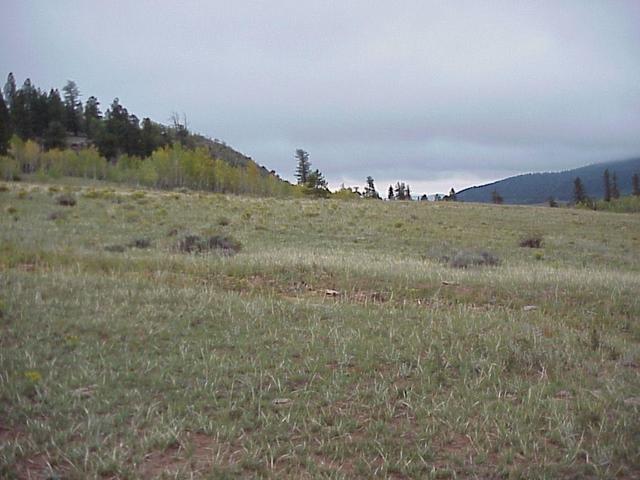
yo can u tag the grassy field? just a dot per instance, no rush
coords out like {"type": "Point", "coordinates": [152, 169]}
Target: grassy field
{"type": "Point", "coordinates": [339, 342]}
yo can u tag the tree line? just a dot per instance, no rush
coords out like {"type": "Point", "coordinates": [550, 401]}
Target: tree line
{"type": "Point", "coordinates": [313, 183]}
{"type": "Point", "coordinates": [610, 188]}
{"type": "Point", "coordinates": [38, 127]}
{"type": "Point", "coordinates": [51, 117]}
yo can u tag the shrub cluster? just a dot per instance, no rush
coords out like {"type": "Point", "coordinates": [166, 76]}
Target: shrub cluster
{"type": "Point", "coordinates": [466, 259]}
{"type": "Point", "coordinates": [531, 241]}
{"type": "Point", "coordinates": [66, 200]}
{"type": "Point", "coordinates": [222, 243]}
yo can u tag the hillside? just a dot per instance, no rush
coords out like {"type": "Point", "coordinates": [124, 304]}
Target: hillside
{"type": "Point", "coordinates": [532, 188]}
{"type": "Point", "coordinates": [222, 151]}
{"type": "Point", "coordinates": [59, 121]}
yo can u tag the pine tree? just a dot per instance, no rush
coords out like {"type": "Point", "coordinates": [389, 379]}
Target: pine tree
{"type": "Point", "coordinates": [390, 195]}
{"type": "Point", "coordinates": [5, 127]}
{"type": "Point", "coordinates": [21, 111]}
{"type": "Point", "coordinates": [151, 137]}
{"type": "Point", "coordinates": [496, 198]}
{"type": "Point", "coordinates": [635, 185]}
{"type": "Point", "coordinates": [407, 194]}
{"type": "Point", "coordinates": [55, 107]}
{"type": "Point", "coordinates": [10, 91]}
{"type": "Point", "coordinates": [92, 116]}
{"type": "Point", "coordinates": [370, 189]}
{"type": "Point", "coordinates": [55, 135]}
{"type": "Point", "coordinates": [615, 193]}
{"type": "Point", "coordinates": [39, 112]}
{"type": "Point", "coordinates": [452, 195]}
{"type": "Point", "coordinates": [316, 184]}
{"type": "Point", "coordinates": [579, 194]}
{"type": "Point", "coordinates": [400, 191]}
{"type": "Point", "coordinates": [73, 107]}
{"type": "Point", "coordinates": [607, 185]}
{"type": "Point", "coordinates": [315, 179]}
{"type": "Point", "coordinates": [303, 166]}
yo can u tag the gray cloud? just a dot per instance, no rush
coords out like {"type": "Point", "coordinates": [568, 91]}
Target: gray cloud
{"type": "Point", "coordinates": [434, 93]}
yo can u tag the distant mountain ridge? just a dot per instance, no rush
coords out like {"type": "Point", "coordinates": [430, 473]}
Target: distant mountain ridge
{"type": "Point", "coordinates": [532, 188]}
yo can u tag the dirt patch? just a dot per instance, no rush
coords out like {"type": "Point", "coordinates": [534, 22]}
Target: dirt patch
{"type": "Point", "coordinates": [8, 435]}
{"type": "Point", "coordinates": [57, 216]}
{"type": "Point", "coordinates": [35, 468]}
{"type": "Point", "coordinates": [197, 453]}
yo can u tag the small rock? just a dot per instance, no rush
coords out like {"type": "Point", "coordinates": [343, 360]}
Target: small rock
{"type": "Point", "coordinates": [281, 401]}
{"type": "Point", "coordinates": [84, 392]}
{"type": "Point", "coordinates": [331, 293]}
{"type": "Point", "coordinates": [447, 282]}
{"type": "Point", "coordinates": [528, 308]}
{"type": "Point", "coordinates": [563, 394]}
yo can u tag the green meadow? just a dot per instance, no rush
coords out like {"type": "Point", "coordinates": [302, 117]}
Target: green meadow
{"type": "Point", "coordinates": [333, 339]}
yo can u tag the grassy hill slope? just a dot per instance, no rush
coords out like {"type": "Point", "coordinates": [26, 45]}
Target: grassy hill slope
{"type": "Point", "coordinates": [339, 342]}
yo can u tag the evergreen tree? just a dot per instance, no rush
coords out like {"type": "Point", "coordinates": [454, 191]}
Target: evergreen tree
{"type": "Point", "coordinates": [496, 198]}
{"type": "Point", "coordinates": [579, 194]}
{"type": "Point", "coordinates": [133, 137]}
{"type": "Point", "coordinates": [10, 91]}
{"type": "Point", "coordinates": [424, 198]}
{"type": "Point", "coordinates": [635, 185]}
{"type": "Point", "coordinates": [436, 197]}
{"type": "Point", "coordinates": [55, 135]}
{"type": "Point", "coordinates": [21, 111]}
{"type": "Point", "coordinates": [5, 127]}
{"type": "Point", "coordinates": [73, 107]}
{"type": "Point", "coordinates": [390, 195]}
{"type": "Point", "coordinates": [315, 179]}
{"type": "Point", "coordinates": [111, 139]}
{"type": "Point", "coordinates": [452, 195]}
{"type": "Point", "coordinates": [407, 194]}
{"type": "Point", "coordinates": [400, 191]}
{"type": "Point", "coordinates": [303, 166]}
{"type": "Point", "coordinates": [607, 185]}
{"type": "Point", "coordinates": [55, 107]}
{"type": "Point", "coordinates": [152, 137]}
{"type": "Point", "coordinates": [92, 116]}
{"type": "Point", "coordinates": [39, 112]}
{"type": "Point", "coordinates": [615, 193]}
{"type": "Point", "coordinates": [316, 184]}
{"type": "Point", "coordinates": [370, 189]}
{"type": "Point", "coordinates": [120, 134]}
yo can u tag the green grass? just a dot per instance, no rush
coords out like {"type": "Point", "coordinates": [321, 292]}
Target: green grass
{"type": "Point", "coordinates": [336, 343]}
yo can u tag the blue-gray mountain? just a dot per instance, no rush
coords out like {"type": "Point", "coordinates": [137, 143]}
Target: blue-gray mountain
{"type": "Point", "coordinates": [534, 188]}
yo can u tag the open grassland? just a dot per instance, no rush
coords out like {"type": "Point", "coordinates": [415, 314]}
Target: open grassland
{"type": "Point", "coordinates": [337, 343]}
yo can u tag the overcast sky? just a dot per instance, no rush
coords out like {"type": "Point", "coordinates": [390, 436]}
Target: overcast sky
{"type": "Point", "coordinates": [434, 93]}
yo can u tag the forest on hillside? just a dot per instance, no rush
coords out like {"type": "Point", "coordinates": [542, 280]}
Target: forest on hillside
{"type": "Point", "coordinates": [56, 134]}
